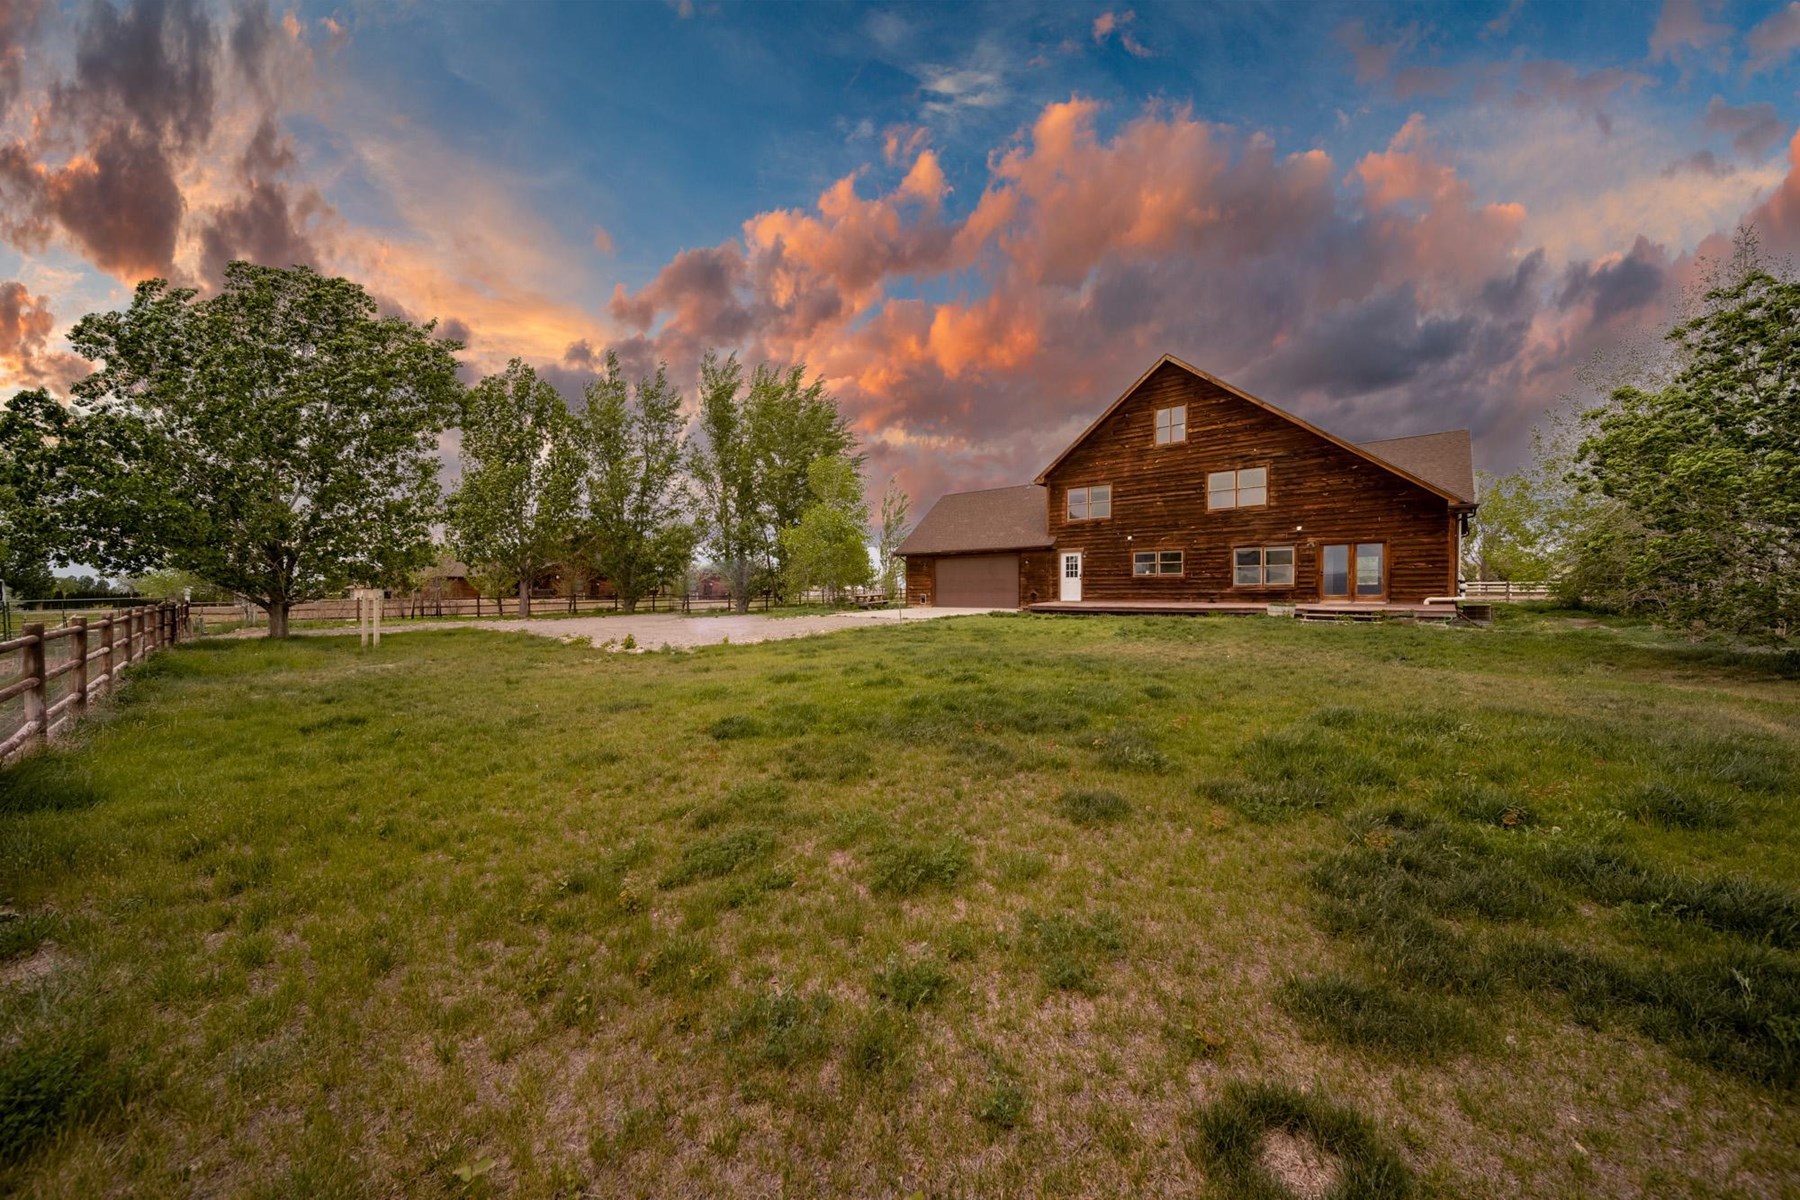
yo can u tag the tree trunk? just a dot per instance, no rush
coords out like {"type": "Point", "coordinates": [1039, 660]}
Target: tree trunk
{"type": "Point", "coordinates": [278, 618]}
{"type": "Point", "coordinates": [628, 603]}
{"type": "Point", "coordinates": [524, 597]}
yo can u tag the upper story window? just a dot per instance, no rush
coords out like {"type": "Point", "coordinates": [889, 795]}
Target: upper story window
{"type": "Point", "coordinates": [1171, 425]}
{"type": "Point", "coordinates": [1237, 489]}
{"type": "Point", "coordinates": [1090, 503]}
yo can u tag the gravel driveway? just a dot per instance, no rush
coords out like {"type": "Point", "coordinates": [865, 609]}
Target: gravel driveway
{"type": "Point", "coordinates": [653, 631]}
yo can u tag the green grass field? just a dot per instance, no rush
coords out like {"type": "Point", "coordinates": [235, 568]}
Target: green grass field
{"type": "Point", "coordinates": [1000, 906]}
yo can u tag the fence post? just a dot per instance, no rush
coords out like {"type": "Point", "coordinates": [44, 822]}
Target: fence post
{"type": "Point", "coordinates": [37, 709]}
{"type": "Point", "coordinates": [106, 644]}
{"type": "Point", "coordinates": [79, 639]}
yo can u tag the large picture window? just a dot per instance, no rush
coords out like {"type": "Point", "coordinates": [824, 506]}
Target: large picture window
{"type": "Point", "coordinates": [1262, 566]}
{"type": "Point", "coordinates": [1171, 424]}
{"type": "Point", "coordinates": [1237, 489]}
{"type": "Point", "coordinates": [1156, 562]}
{"type": "Point", "coordinates": [1090, 503]}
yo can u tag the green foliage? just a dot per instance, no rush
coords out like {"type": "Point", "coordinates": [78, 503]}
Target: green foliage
{"type": "Point", "coordinates": [893, 524]}
{"type": "Point", "coordinates": [828, 548]}
{"type": "Point", "coordinates": [1229, 1135]}
{"type": "Point", "coordinates": [277, 439]}
{"type": "Point", "coordinates": [515, 508]}
{"type": "Point", "coordinates": [633, 528]}
{"type": "Point", "coordinates": [34, 454]}
{"type": "Point", "coordinates": [778, 1028]}
{"type": "Point", "coordinates": [1003, 1101]}
{"type": "Point", "coordinates": [1705, 469]}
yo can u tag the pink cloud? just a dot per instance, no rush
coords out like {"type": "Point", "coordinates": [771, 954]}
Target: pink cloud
{"type": "Point", "coordinates": [1683, 25]}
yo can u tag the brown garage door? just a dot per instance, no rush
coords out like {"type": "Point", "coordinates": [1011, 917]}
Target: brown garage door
{"type": "Point", "coordinates": [978, 581]}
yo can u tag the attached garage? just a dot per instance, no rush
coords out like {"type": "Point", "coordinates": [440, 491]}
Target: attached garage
{"type": "Point", "coordinates": [981, 550]}
{"type": "Point", "coordinates": [978, 581]}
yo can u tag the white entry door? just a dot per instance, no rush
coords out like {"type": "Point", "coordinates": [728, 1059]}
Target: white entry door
{"type": "Point", "coordinates": [1071, 576]}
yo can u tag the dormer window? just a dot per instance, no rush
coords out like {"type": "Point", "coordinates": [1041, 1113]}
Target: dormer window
{"type": "Point", "coordinates": [1237, 489]}
{"type": "Point", "coordinates": [1171, 425]}
{"type": "Point", "coordinates": [1090, 503]}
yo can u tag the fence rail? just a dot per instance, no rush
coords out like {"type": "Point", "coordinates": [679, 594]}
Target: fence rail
{"type": "Point", "coordinates": [89, 654]}
{"type": "Point", "coordinates": [1506, 589]}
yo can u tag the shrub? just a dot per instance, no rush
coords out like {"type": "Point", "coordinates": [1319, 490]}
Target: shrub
{"type": "Point", "coordinates": [1091, 806]}
{"type": "Point", "coordinates": [1378, 1017]}
{"type": "Point", "coordinates": [908, 868]}
{"type": "Point", "coordinates": [1230, 1133]}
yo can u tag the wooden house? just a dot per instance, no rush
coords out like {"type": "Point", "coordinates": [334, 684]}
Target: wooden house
{"type": "Point", "coordinates": [1188, 492]}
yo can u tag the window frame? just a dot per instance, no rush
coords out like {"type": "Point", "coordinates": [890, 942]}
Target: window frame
{"type": "Point", "coordinates": [1158, 555]}
{"type": "Point", "coordinates": [1157, 428]}
{"type": "Point", "coordinates": [1237, 487]}
{"type": "Point", "coordinates": [1262, 566]}
{"type": "Point", "coordinates": [1087, 502]}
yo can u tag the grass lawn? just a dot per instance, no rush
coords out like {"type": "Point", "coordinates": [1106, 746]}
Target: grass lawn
{"type": "Point", "coordinates": [985, 907]}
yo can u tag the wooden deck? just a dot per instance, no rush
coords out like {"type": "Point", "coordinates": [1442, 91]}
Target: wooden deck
{"type": "Point", "coordinates": [1304, 612]}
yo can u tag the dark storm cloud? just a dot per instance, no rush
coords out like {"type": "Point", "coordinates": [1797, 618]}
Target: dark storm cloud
{"type": "Point", "coordinates": [1617, 288]}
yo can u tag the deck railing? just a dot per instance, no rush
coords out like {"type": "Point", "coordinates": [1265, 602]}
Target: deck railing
{"type": "Point", "coordinates": [90, 653]}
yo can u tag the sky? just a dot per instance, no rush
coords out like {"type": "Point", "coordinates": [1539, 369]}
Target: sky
{"type": "Point", "coordinates": [978, 224]}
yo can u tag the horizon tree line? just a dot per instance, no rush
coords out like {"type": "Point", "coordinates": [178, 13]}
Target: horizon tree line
{"type": "Point", "coordinates": [280, 440]}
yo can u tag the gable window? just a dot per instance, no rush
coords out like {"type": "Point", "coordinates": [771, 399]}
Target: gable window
{"type": "Point", "coordinates": [1262, 566]}
{"type": "Point", "coordinates": [1156, 562]}
{"type": "Point", "coordinates": [1171, 425]}
{"type": "Point", "coordinates": [1237, 489]}
{"type": "Point", "coordinates": [1090, 503]}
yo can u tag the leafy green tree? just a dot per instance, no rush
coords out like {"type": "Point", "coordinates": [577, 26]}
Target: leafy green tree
{"type": "Point", "coordinates": [828, 547]}
{"type": "Point", "coordinates": [634, 490]}
{"type": "Point", "coordinates": [277, 439]}
{"type": "Point", "coordinates": [513, 512]}
{"type": "Point", "coordinates": [792, 425]}
{"type": "Point", "coordinates": [33, 446]}
{"type": "Point", "coordinates": [1704, 471]}
{"type": "Point", "coordinates": [722, 462]}
{"type": "Point", "coordinates": [895, 524]}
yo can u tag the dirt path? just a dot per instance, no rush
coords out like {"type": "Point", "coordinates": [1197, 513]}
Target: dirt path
{"type": "Point", "coordinates": [653, 631]}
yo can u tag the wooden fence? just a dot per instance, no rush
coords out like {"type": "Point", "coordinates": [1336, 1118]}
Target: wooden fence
{"type": "Point", "coordinates": [1506, 589]}
{"type": "Point", "coordinates": [86, 653]}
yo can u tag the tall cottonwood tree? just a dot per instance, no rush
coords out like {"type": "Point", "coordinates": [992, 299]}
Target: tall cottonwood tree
{"type": "Point", "coordinates": [276, 439]}
{"type": "Point", "coordinates": [722, 462]}
{"type": "Point", "coordinates": [634, 521]}
{"type": "Point", "coordinates": [792, 425]}
{"type": "Point", "coordinates": [517, 503]}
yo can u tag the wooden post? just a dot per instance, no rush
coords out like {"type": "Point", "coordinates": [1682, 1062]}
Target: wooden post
{"type": "Point", "coordinates": [79, 640]}
{"type": "Point", "coordinates": [106, 644]}
{"type": "Point", "coordinates": [37, 715]}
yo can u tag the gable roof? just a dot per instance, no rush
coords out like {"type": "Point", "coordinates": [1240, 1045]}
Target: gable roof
{"type": "Point", "coordinates": [1010, 518]}
{"type": "Point", "coordinates": [1445, 459]}
{"type": "Point", "coordinates": [1240, 393]}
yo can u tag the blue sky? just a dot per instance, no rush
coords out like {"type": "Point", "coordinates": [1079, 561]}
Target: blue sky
{"type": "Point", "coordinates": [979, 223]}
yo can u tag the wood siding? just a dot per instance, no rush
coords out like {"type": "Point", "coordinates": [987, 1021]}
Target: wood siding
{"type": "Point", "coordinates": [1318, 494]}
{"type": "Point", "coordinates": [1037, 570]}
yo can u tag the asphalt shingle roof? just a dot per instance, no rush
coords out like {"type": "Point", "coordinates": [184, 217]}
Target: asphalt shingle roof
{"type": "Point", "coordinates": [1444, 459]}
{"type": "Point", "coordinates": [1012, 518]}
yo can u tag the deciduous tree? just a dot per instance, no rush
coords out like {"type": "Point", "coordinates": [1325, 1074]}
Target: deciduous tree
{"type": "Point", "coordinates": [896, 510]}
{"type": "Point", "coordinates": [277, 439]}
{"type": "Point", "coordinates": [635, 498]}
{"type": "Point", "coordinates": [722, 461]}
{"type": "Point", "coordinates": [512, 513]}
{"type": "Point", "coordinates": [828, 547]}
